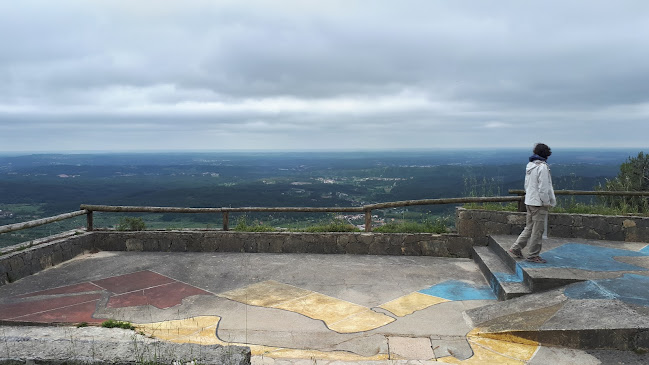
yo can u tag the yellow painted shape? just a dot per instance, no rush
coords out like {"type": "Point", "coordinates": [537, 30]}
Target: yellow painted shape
{"type": "Point", "coordinates": [265, 294]}
{"type": "Point", "coordinates": [323, 307]}
{"type": "Point", "coordinates": [509, 349]}
{"type": "Point", "coordinates": [482, 356]}
{"type": "Point", "coordinates": [171, 330]}
{"type": "Point", "coordinates": [202, 330]}
{"type": "Point", "coordinates": [339, 315]}
{"type": "Point", "coordinates": [321, 355]}
{"type": "Point", "coordinates": [496, 348]}
{"type": "Point", "coordinates": [362, 321]}
{"type": "Point", "coordinates": [500, 336]}
{"type": "Point", "coordinates": [411, 303]}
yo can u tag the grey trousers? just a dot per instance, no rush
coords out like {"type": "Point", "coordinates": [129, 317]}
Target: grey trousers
{"type": "Point", "coordinates": [534, 227]}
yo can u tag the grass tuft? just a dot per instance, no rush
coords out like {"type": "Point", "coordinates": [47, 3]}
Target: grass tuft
{"type": "Point", "coordinates": [335, 226]}
{"type": "Point", "coordinates": [439, 225]}
{"type": "Point", "coordinates": [111, 323]}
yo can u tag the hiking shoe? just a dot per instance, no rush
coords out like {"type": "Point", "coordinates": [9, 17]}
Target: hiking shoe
{"type": "Point", "coordinates": [516, 253]}
{"type": "Point", "coordinates": [536, 259]}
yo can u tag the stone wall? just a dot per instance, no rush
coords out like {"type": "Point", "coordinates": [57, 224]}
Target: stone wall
{"type": "Point", "coordinates": [478, 224]}
{"type": "Point", "coordinates": [419, 244]}
{"type": "Point", "coordinates": [19, 261]}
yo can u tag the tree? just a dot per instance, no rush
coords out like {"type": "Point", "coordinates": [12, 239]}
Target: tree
{"type": "Point", "coordinates": [633, 176]}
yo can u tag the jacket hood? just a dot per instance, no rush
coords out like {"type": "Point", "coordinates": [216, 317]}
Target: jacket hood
{"type": "Point", "coordinates": [533, 165]}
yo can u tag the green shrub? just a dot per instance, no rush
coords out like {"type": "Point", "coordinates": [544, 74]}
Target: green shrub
{"type": "Point", "coordinates": [508, 207]}
{"type": "Point", "coordinates": [439, 225]}
{"type": "Point", "coordinates": [243, 226]}
{"type": "Point", "coordinates": [131, 224]}
{"type": "Point", "coordinates": [337, 225]}
{"type": "Point", "coordinates": [117, 324]}
{"type": "Point", "coordinates": [633, 176]}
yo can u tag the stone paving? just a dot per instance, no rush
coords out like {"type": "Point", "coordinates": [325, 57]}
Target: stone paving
{"type": "Point", "coordinates": [296, 308]}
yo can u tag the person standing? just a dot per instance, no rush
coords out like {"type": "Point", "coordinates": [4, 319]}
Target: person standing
{"type": "Point", "coordinates": [539, 197]}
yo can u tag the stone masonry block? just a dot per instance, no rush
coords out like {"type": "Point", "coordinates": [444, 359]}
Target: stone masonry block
{"type": "Point", "coordinates": [16, 262]}
{"type": "Point", "coordinates": [151, 244]}
{"type": "Point", "coordinates": [250, 246]}
{"type": "Point", "coordinates": [378, 245]}
{"type": "Point", "coordinates": [470, 228]}
{"type": "Point", "coordinates": [360, 246]}
{"type": "Point", "coordinates": [178, 243]}
{"type": "Point", "coordinates": [46, 261]}
{"type": "Point", "coordinates": [585, 232]}
{"type": "Point", "coordinates": [559, 231]}
{"type": "Point", "coordinates": [463, 214]}
{"type": "Point", "coordinates": [210, 243]}
{"type": "Point", "coordinates": [411, 249]}
{"type": "Point", "coordinates": [232, 243]}
{"type": "Point", "coordinates": [292, 243]}
{"type": "Point", "coordinates": [577, 220]}
{"type": "Point", "coordinates": [560, 219]}
{"type": "Point", "coordinates": [498, 217]}
{"type": "Point", "coordinates": [134, 244]}
{"type": "Point", "coordinates": [642, 222]}
{"type": "Point", "coordinates": [267, 244]}
{"type": "Point", "coordinates": [57, 257]}
{"type": "Point", "coordinates": [616, 235]}
{"type": "Point", "coordinates": [459, 246]}
{"type": "Point", "coordinates": [598, 224]}
{"type": "Point", "coordinates": [67, 253]}
{"type": "Point", "coordinates": [517, 219]}
{"type": "Point", "coordinates": [629, 223]}
{"type": "Point", "coordinates": [194, 243]}
{"type": "Point", "coordinates": [497, 228]}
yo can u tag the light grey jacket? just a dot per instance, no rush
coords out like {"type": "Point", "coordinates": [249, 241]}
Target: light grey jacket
{"type": "Point", "coordinates": [538, 185]}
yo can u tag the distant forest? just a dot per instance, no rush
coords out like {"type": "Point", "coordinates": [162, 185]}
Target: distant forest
{"type": "Point", "coordinates": [42, 185]}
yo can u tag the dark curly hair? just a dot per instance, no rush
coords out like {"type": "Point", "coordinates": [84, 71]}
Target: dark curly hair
{"type": "Point", "coordinates": [542, 150]}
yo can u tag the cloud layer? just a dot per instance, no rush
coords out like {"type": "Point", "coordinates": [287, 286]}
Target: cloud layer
{"type": "Point", "coordinates": [107, 75]}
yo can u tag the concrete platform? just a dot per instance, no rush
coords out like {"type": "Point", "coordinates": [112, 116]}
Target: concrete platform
{"type": "Point", "coordinates": [573, 260]}
{"type": "Point", "coordinates": [589, 294]}
{"type": "Point", "coordinates": [295, 308]}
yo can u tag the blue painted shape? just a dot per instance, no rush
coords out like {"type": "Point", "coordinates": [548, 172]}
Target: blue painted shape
{"type": "Point", "coordinates": [587, 257]}
{"type": "Point", "coordinates": [645, 250]}
{"type": "Point", "coordinates": [510, 278]}
{"type": "Point", "coordinates": [459, 290]}
{"type": "Point", "coordinates": [629, 288]}
{"type": "Point", "coordinates": [587, 290]}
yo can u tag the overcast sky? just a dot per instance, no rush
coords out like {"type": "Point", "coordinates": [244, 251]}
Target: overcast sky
{"type": "Point", "coordinates": [281, 74]}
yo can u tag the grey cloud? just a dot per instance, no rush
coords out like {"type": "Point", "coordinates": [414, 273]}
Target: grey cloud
{"type": "Point", "coordinates": [122, 65]}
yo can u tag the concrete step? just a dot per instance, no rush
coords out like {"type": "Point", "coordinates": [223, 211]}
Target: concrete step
{"type": "Point", "coordinates": [505, 282]}
{"type": "Point", "coordinates": [537, 277]}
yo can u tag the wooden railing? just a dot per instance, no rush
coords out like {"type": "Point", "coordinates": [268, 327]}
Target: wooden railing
{"type": "Point", "coordinates": [366, 209]}
{"type": "Point", "coordinates": [40, 222]}
{"type": "Point", "coordinates": [521, 193]}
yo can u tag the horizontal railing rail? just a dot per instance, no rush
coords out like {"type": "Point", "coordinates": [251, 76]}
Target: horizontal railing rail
{"type": "Point", "coordinates": [88, 209]}
{"type": "Point", "coordinates": [40, 222]}
{"type": "Point", "coordinates": [521, 193]}
{"type": "Point", "coordinates": [589, 192]}
{"type": "Point", "coordinates": [367, 209]}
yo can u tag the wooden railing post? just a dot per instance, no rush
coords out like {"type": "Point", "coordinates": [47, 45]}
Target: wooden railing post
{"type": "Point", "coordinates": [368, 220]}
{"type": "Point", "coordinates": [226, 219]}
{"type": "Point", "coordinates": [521, 203]}
{"type": "Point", "coordinates": [89, 226]}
